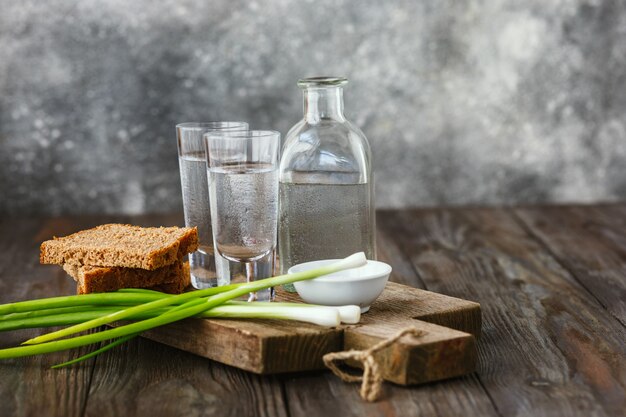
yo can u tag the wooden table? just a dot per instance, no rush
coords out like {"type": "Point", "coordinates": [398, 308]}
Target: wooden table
{"type": "Point", "coordinates": [551, 282]}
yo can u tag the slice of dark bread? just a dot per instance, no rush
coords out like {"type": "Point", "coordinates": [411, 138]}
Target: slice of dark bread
{"type": "Point", "coordinates": [120, 245]}
{"type": "Point", "coordinates": [101, 279]}
{"type": "Point", "coordinates": [178, 286]}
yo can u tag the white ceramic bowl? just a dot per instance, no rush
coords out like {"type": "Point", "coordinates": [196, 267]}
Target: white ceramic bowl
{"type": "Point", "coordinates": [356, 286]}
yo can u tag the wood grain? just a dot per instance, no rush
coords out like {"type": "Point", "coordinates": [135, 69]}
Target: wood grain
{"type": "Point", "coordinates": [259, 346]}
{"type": "Point", "coordinates": [275, 346]}
{"type": "Point", "coordinates": [590, 242]}
{"type": "Point", "coordinates": [322, 394]}
{"type": "Point", "coordinates": [551, 344]}
{"type": "Point", "coordinates": [145, 378]}
{"type": "Point", "coordinates": [389, 250]}
{"type": "Point", "coordinates": [27, 385]}
{"type": "Point", "coordinates": [547, 348]}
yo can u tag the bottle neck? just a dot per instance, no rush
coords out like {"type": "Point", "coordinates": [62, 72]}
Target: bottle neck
{"type": "Point", "coordinates": [323, 103]}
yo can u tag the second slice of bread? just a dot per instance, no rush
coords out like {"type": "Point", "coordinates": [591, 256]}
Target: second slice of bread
{"type": "Point", "coordinates": [119, 245]}
{"type": "Point", "coordinates": [170, 288]}
{"type": "Point", "coordinates": [170, 278]}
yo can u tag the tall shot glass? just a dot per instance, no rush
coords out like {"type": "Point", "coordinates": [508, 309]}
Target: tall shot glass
{"type": "Point", "coordinates": [243, 190]}
{"type": "Point", "coordinates": [193, 178]}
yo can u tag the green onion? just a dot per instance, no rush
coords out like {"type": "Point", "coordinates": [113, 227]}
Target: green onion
{"type": "Point", "coordinates": [78, 300]}
{"type": "Point", "coordinates": [219, 297]}
{"type": "Point", "coordinates": [348, 314]}
{"type": "Point", "coordinates": [319, 315]}
{"type": "Point", "coordinates": [189, 306]}
{"type": "Point", "coordinates": [128, 313]}
{"type": "Point", "coordinates": [61, 319]}
{"type": "Point", "coordinates": [50, 312]}
{"type": "Point", "coordinates": [95, 352]}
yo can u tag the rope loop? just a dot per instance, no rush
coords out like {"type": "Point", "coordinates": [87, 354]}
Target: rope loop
{"type": "Point", "coordinates": [372, 379]}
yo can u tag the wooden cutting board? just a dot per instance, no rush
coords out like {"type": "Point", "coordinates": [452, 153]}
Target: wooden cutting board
{"type": "Point", "coordinates": [446, 349]}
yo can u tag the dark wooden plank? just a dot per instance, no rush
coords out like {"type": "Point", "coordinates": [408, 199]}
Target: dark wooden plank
{"type": "Point", "coordinates": [276, 346]}
{"type": "Point", "coordinates": [548, 348]}
{"type": "Point", "coordinates": [145, 378]}
{"type": "Point", "coordinates": [528, 285]}
{"type": "Point", "coordinates": [388, 250]}
{"type": "Point", "coordinates": [323, 394]}
{"type": "Point", "coordinates": [259, 346]}
{"type": "Point", "coordinates": [27, 385]}
{"type": "Point", "coordinates": [590, 241]}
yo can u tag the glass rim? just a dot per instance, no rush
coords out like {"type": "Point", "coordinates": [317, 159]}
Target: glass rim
{"type": "Point", "coordinates": [242, 134]}
{"type": "Point", "coordinates": [325, 81]}
{"type": "Point", "coordinates": [211, 125]}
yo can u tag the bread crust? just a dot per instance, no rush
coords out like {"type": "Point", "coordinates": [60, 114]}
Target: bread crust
{"type": "Point", "coordinates": [119, 245]}
{"type": "Point", "coordinates": [171, 278]}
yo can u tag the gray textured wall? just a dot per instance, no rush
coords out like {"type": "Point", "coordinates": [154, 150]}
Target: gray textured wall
{"type": "Point", "coordinates": [464, 102]}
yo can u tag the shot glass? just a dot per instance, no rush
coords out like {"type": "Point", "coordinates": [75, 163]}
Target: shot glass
{"type": "Point", "coordinates": [193, 178]}
{"type": "Point", "coordinates": [243, 190]}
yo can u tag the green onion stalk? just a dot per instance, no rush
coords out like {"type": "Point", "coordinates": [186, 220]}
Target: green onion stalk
{"type": "Point", "coordinates": [320, 315]}
{"type": "Point", "coordinates": [155, 309]}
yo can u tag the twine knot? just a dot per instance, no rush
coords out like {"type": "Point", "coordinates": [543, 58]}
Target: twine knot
{"type": "Point", "coordinates": [372, 379]}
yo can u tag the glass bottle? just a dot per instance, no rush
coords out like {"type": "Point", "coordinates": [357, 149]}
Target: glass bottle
{"type": "Point", "coordinates": [326, 186]}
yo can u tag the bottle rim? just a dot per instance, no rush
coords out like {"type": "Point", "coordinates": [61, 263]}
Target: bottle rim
{"type": "Point", "coordinates": [325, 81]}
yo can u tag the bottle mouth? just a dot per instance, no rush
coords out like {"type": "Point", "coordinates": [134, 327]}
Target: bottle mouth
{"type": "Point", "coordinates": [322, 82]}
